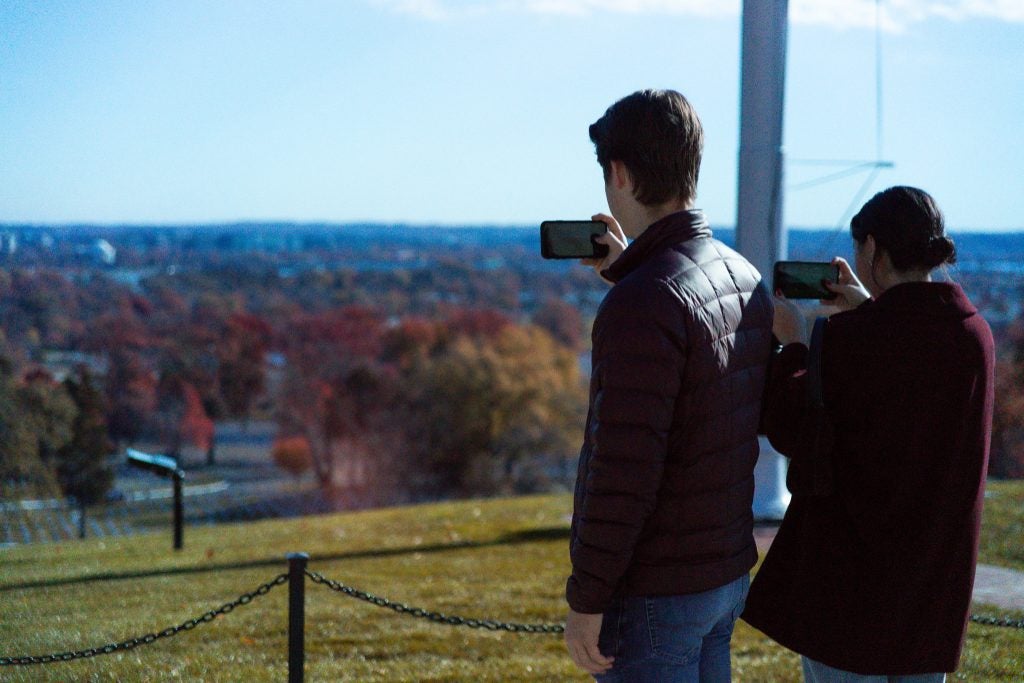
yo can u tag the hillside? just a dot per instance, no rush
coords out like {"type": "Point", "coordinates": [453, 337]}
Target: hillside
{"type": "Point", "coordinates": [495, 559]}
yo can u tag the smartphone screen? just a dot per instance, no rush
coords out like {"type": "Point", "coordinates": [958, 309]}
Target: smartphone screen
{"type": "Point", "coordinates": [803, 279]}
{"type": "Point", "coordinates": [572, 239]}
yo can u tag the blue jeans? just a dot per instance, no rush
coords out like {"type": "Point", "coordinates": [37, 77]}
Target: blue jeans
{"type": "Point", "coordinates": [673, 638]}
{"type": "Point", "coordinates": [816, 672]}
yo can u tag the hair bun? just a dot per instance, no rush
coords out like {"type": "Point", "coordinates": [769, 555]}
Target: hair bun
{"type": "Point", "coordinates": [941, 250]}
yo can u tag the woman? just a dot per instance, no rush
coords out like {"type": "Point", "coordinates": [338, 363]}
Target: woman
{"type": "Point", "coordinates": [872, 582]}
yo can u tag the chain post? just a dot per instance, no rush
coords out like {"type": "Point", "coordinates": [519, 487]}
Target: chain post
{"type": "Point", "coordinates": [296, 616]}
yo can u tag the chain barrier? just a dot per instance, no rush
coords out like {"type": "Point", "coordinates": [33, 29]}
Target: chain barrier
{"type": "Point", "coordinates": [526, 628]}
{"type": "Point", "coordinates": [996, 621]}
{"type": "Point", "coordinates": [263, 589]}
{"type": "Point", "coordinates": [149, 638]}
{"type": "Point", "coordinates": [437, 617]}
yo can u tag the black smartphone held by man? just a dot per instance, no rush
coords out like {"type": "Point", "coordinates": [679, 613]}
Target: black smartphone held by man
{"type": "Point", "coordinates": [572, 239]}
{"type": "Point", "coordinates": [805, 279]}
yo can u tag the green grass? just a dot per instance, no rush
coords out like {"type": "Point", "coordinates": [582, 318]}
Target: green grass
{"type": "Point", "coordinates": [1002, 538]}
{"type": "Point", "coordinates": [495, 559]}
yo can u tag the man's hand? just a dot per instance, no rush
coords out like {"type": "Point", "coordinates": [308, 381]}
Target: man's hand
{"type": "Point", "coordinates": [581, 633]}
{"type": "Point", "coordinates": [614, 238]}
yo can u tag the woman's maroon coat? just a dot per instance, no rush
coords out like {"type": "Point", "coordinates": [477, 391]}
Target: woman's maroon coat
{"type": "Point", "coordinates": [877, 578]}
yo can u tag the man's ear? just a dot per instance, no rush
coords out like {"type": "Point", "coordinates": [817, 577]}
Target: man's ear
{"type": "Point", "coordinates": [620, 177]}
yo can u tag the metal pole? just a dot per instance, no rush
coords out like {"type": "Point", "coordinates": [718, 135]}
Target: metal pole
{"type": "Point", "coordinates": [760, 230]}
{"type": "Point", "coordinates": [179, 509]}
{"type": "Point", "coordinates": [81, 520]}
{"type": "Point", "coordinates": [760, 235]}
{"type": "Point", "coordinates": [296, 615]}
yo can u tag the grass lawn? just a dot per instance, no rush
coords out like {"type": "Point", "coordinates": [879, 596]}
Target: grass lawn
{"type": "Point", "coordinates": [494, 559]}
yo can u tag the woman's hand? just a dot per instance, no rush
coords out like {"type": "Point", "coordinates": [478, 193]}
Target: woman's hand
{"type": "Point", "coordinates": [789, 324]}
{"type": "Point", "coordinates": [615, 239]}
{"type": "Point", "coordinates": [850, 290]}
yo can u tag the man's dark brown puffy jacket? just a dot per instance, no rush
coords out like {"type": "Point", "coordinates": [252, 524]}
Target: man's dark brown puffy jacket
{"type": "Point", "coordinates": [665, 480]}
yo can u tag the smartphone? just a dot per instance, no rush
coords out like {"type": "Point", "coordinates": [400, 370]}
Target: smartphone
{"type": "Point", "coordinates": [803, 279]}
{"type": "Point", "coordinates": [572, 239]}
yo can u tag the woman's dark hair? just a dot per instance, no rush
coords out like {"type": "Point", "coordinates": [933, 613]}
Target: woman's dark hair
{"type": "Point", "coordinates": [908, 225]}
{"type": "Point", "coordinates": [657, 135]}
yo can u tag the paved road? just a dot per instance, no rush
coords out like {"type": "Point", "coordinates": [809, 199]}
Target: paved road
{"type": "Point", "coordinates": [995, 586]}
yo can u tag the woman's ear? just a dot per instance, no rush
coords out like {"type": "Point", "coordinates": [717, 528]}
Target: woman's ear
{"type": "Point", "coordinates": [870, 249]}
{"type": "Point", "coordinates": [872, 254]}
{"type": "Point", "coordinates": [876, 255]}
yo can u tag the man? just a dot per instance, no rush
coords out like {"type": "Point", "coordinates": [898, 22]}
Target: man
{"type": "Point", "coordinates": [662, 532]}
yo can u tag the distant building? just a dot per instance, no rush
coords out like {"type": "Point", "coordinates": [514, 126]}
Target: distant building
{"type": "Point", "coordinates": [104, 252]}
{"type": "Point", "coordinates": [60, 364]}
{"type": "Point", "coordinates": [8, 243]}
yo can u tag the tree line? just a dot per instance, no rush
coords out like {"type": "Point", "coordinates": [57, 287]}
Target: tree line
{"type": "Point", "coordinates": [370, 390]}
{"type": "Point", "coordinates": [403, 384]}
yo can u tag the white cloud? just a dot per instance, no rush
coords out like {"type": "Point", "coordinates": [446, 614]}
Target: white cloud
{"type": "Point", "coordinates": [704, 8]}
{"type": "Point", "coordinates": [895, 15]}
{"type": "Point", "coordinates": [445, 9]}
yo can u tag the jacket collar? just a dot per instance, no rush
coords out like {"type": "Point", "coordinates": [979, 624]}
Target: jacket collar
{"type": "Point", "coordinates": [673, 229]}
{"type": "Point", "coordinates": [927, 298]}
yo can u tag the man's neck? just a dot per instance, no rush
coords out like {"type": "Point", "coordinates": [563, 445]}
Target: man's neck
{"type": "Point", "coordinates": [642, 216]}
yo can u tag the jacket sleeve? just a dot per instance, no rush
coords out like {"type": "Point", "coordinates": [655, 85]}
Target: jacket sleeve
{"type": "Point", "coordinates": [786, 395]}
{"type": "Point", "coordinates": [639, 354]}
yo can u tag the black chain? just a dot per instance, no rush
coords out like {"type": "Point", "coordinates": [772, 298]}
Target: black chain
{"type": "Point", "coordinates": [398, 607]}
{"type": "Point", "coordinates": [434, 616]}
{"type": "Point", "coordinates": [149, 638]}
{"type": "Point", "coordinates": [996, 621]}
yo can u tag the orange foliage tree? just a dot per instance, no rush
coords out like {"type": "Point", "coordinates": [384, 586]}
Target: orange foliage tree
{"type": "Point", "coordinates": [495, 414]}
{"type": "Point", "coordinates": [472, 404]}
{"type": "Point", "coordinates": [292, 454]}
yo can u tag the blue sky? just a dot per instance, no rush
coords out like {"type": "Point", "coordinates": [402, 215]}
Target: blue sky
{"type": "Point", "coordinates": [459, 111]}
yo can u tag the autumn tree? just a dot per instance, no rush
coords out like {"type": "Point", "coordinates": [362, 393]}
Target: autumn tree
{"type": "Point", "coordinates": [494, 415]}
{"type": "Point", "coordinates": [411, 341]}
{"type": "Point", "coordinates": [292, 454]}
{"type": "Point", "coordinates": [337, 395]}
{"type": "Point", "coordinates": [20, 461]}
{"type": "Point", "coordinates": [562, 321]}
{"type": "Point", "coordinates": [48, 412]}
{"type": "Point", "coordinates": [241, 349]}
{"type": "Point", "coordinates": [180, 416]}
{"type": "Point", "coordinates": [130, 395]}
{"type": "Point", "coordinates": [1007, 457]}
{"type": "Point", "coordinates": [83, 465]}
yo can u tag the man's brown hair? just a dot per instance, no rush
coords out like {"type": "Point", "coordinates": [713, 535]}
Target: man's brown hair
{"type": "Point", "coordinates": [657, 135]}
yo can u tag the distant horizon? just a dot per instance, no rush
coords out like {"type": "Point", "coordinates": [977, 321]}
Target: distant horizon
{"type": "Point", "coordinates": [299, 224]}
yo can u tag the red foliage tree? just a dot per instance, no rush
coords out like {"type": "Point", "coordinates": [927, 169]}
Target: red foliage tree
{"type": "Point", "coordinates": [181, 418]}
{"type": "Point", "coordinates": [411, 339]}
{"type": "Point", "coordinates": [482, 323]}
{"type": "Point", "coordinates": [337, 393]}
{"type": "Point", "coordinates": [130, 395]}
{"type": "Point", "coordinates": [562, 321]}
{"type": "Point", "coordinates": [240, 351]}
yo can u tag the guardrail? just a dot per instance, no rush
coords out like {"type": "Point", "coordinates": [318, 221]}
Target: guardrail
{"type": "Point", "coordinates": [296, 579]}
